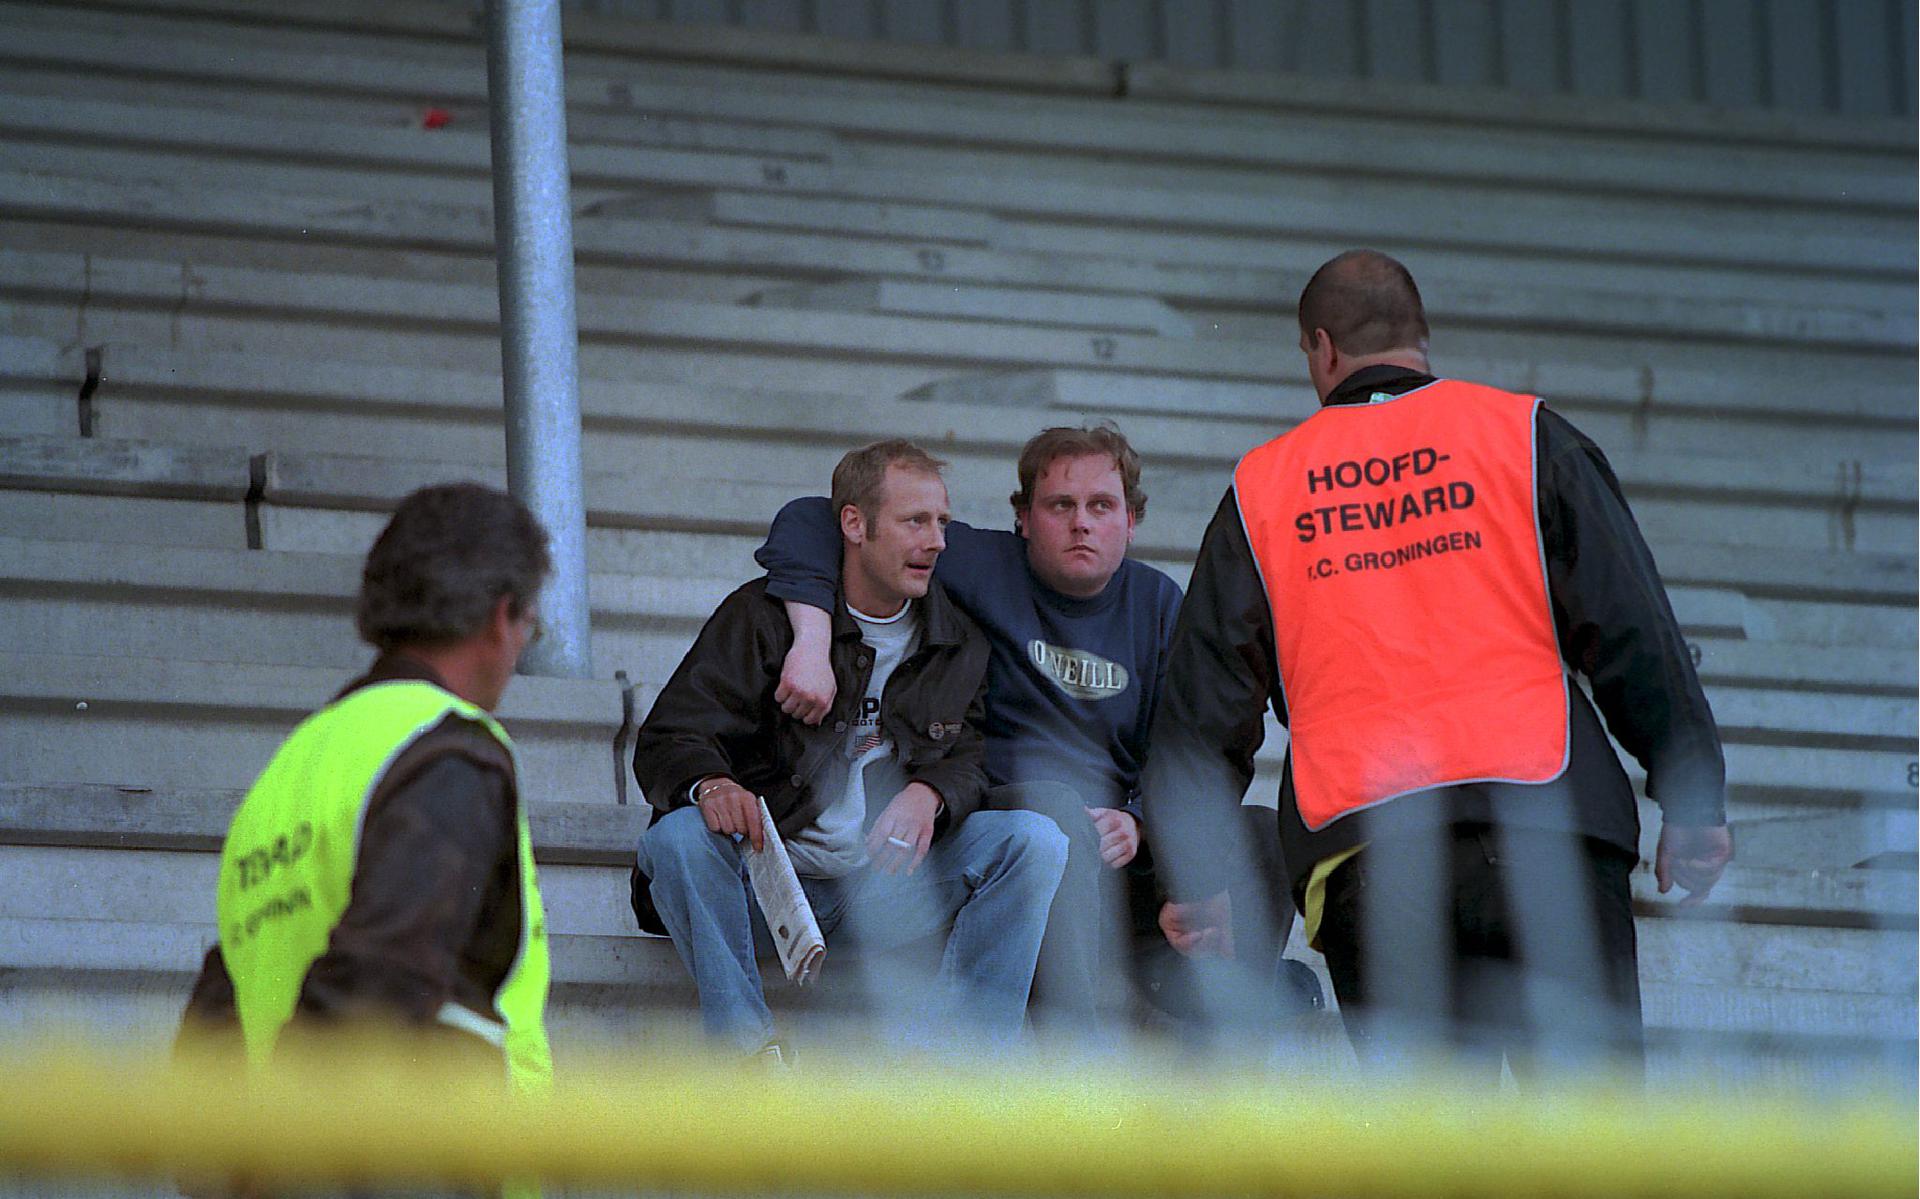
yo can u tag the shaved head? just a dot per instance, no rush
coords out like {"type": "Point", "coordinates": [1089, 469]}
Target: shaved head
{"type": "Point", "coordinates": [1367, 303]}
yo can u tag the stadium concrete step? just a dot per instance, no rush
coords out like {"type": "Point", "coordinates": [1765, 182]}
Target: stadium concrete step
{"type": "Point", "coordinates": [205, 192]}
{"type": "Point", "coordinates": [186, 290]}
{"type": "Point", "coordinates": [57, 835]}
{"type": "Point", "coordinates": [40, 75]}
{"type": "Point", "coordinates": [1770, 1013]}
{"type": "Point", "coordinates": [62, 596]}
{"type": "Point", "coordinates": [1882, 838]}
{"type": "Point", "coordinates": [154, 722]}
{"type": "Point", "coordinates": [1803, 497]}
{"type": "Point", "coordinates": [1815, 829]}
{"type": "Point", "coordinates": [95, 599]}
{"type": "Point", "coordinates": [611, 319]}
{"type": "Point", "coordinates": [1824, 832]}
{"type": "Point", "coordinates": [1811, 809]}
{"type": "Point", "coordinates": [1780, 960]}
{"type": "Point", "coordinates": [286, 493]}
{"type": "Point", "coordinates": [1639, 399]}
{"type": "Point", "coordinates": [1069, 309]}
{"type": "Point", "coordinates": [1458, 283]}
{"type": "Point", "coordinates": [93, 817]}
{"type": "Point", "coordinates": [1745, 961]}
{"type": "Point", "coordinates": [1843, 897]}
{"type": "Point", "coordinates": [106, 817]}
{"type": "Point", "coordinates": [182, 192]}
{"type": "Point", "coordinates": [630, 974]}
{"type": "Point", "coordinates": [1449, 275]}
{"type": "Point", "coordinates": [1624, 408]}
{"type": "Point", "coordinates": [1791, 665]}
{"type": "Point", "coordinates": [1866, 173]}
{"type": "Point", "coordinates": [174, 723]}
{"type": "Point", "coordinates": [863, 219]}
{"type": "Point", "coordinates": [1360, 211]}
{"type": "Point", "coordinates": [66, 875]}
{"type": "Point", "coordinates": [140, 391]}
{"type": "Point", "coordinates": [742, 499]}
{"type": "Point", "coordinates": [146, 391]}
{"type": "Point", "coordinates": [1695, 977]}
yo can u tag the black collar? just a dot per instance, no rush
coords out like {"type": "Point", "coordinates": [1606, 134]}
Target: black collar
{"type": "Point", "coordinates": [1394, 380]}
{"type": "Point", "coordinates": [393, 666]}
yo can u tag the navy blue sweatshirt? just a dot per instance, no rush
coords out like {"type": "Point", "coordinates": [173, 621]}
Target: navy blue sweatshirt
{"type": "Point", "coordinates": [1072, 683]}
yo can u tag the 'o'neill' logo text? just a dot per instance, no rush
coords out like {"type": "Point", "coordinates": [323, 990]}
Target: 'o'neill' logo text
{"type": "Point", "coordinates": [1077, 672]}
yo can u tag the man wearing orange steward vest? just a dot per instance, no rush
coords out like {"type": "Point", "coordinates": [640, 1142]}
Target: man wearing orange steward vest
{"type": "Point", "coordinates": [1410, 578]}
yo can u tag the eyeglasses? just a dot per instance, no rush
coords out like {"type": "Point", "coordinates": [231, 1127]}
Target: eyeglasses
{"type": "Point", "coordinates": [536, 628]}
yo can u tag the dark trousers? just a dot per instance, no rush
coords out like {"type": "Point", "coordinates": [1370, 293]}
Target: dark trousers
{"type": "Point", "coordinates": [1487, 942]}
{"type": "Point", "coordinates": [1104, 960]}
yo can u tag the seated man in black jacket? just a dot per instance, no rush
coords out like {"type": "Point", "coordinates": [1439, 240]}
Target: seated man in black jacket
{"type": "Point", "coordinates": [878, 804]}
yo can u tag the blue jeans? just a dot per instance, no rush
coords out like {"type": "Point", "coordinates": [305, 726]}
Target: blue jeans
{"type": "Point", "coordinates": [1080, 983]}
{"type": "Point", "coordinates": [991, 878]}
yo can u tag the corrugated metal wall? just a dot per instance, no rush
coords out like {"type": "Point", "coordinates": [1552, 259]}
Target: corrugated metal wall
{"type": "Point", "coordinates": [1846, 56]}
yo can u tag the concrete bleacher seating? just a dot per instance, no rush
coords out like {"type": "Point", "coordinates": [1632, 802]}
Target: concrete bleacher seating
{"type": "Point", "coordinates": [246, 303]}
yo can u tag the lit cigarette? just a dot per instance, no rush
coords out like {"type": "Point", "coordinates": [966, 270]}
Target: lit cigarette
{"type": "Point", "coordinates": [899, 842]}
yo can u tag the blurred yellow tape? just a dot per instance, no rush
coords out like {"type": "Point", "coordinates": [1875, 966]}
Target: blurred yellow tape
{"type": "Point", "coordinates": [398, 1112]}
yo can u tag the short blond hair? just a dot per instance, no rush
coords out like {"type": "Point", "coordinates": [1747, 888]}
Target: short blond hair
{"type": "Point", "coordinates": [862, 473]}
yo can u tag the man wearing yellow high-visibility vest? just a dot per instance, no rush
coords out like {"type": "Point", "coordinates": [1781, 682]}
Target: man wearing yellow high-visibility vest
{"type": "Point", "coordinates": [380, 869]}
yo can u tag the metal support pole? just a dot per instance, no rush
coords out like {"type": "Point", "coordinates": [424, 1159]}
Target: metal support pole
{"type": "Point", "coordinates": [533, 236]}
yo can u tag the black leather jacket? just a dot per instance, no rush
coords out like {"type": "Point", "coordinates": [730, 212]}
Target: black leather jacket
{"type": "Point", "coordinates": [717, 715]}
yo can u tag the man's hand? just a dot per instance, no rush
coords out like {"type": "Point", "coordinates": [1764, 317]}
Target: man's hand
{"type": "Point", "coordinates": [901, 834]}
{"type": "Point", "coordinates": [1199, 928]}
{"type": "Point", "coordinates": [807, 685]}
{"type": "Point", "coordinates": [1692, 856]}
{"type": "Point", "coordinates": [730, 809]}
{"type": "Point", "coordinates": [1119, 835]}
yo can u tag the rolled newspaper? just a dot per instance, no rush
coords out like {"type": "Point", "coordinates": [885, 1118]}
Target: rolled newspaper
{"type": "Point", "coordinates": [796, 934]}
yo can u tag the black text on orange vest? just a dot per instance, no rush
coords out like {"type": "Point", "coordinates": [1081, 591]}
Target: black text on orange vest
{"type": "Point", "coordinates": [1355, 516]}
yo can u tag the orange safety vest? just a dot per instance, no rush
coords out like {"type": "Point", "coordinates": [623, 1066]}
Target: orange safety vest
{"type": "Point", "coordinates": [1399, 542]}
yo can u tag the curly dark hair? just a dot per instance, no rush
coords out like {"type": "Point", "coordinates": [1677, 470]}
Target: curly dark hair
{"type": "Point", "coordinates": [1066, 441]}
{"type": "Point", "coordinates": [448, 555]}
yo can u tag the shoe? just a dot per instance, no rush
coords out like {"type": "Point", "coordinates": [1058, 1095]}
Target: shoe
{"type": "Point", "coordinates": [774, 1057]}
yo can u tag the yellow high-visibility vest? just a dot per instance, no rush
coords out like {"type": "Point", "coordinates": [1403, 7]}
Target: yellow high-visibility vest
{"type": "Point", "coordinates": [286, 871]}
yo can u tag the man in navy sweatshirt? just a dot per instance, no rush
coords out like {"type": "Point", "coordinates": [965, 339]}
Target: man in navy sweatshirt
{"type": "Point", "coordinates": [1079, 635]}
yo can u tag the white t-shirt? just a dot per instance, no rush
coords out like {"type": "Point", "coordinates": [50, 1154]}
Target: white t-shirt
{"type": "Point", "coordinates": [835, 843]}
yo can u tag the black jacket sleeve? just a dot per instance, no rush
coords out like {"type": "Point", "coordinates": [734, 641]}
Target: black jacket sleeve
{"type": "Point", "coordinates": [1617, 628]}
{"type": "Point", "coordinates": [211, 1016]}
{"type": "Point", "coordinates": [716, 699]}
{"type": "Point", "coordinates": [1209, 723]}
{"type": "Point", "coordinates": [434, 853]}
